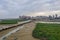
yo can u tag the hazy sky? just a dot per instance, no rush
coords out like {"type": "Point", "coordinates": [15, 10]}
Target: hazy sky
{"type": "Point", "coordinates": [14, 8]}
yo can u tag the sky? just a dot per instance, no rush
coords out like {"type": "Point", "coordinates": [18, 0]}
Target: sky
{"type": "Point", "coordinates": [15, 8]}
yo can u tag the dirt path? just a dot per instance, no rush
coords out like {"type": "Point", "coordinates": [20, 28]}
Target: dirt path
{"type": "Point", "coordinates": [23, 34]}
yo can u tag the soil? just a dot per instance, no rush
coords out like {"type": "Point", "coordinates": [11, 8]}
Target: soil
{"type": "Point", "coordinates": [24, 34]}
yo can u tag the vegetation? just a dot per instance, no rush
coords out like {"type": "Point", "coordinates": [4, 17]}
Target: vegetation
{"type": "Point", "coordinates": [47, 31]}
{"type": "Point", "coordinates": [9, 21]}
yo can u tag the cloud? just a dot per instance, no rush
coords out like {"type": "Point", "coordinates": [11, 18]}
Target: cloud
{"type": "Point", "coordinates": [47, 13]}
{"type": "Point", "coordinates": [14, 8]}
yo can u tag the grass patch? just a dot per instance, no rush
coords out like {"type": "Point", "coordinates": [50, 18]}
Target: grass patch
{"type": "Point", "coordinates": [47, 31]}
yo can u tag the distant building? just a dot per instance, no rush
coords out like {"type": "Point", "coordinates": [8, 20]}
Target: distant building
{"type": "Point", "coordinates": [53, 16]}
{"type": "Point", "coordinates": [50, 17]}
{"type": "Point", "coordinates": [24, 17]}
{"type": "Point", "coordinates": [56, 16]}
{"type": "Point", "coordinates": [42, 18]}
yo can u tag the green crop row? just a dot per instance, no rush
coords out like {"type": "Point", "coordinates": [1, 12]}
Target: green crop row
{"type": "Point", "coordinates": [47, 31]}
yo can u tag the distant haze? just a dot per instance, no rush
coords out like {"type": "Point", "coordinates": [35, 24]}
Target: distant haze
{"type": "Point", "coordinates": [47, 13]}
{"type": "Point", "coordinates": [15, 8]}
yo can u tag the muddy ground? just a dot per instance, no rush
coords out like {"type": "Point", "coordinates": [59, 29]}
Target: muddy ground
{"type": "Point", "coordinates": [23, 34]}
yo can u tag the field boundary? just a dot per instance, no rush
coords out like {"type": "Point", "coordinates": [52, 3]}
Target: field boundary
{"type": "Point", "coordinates": [15, 25]}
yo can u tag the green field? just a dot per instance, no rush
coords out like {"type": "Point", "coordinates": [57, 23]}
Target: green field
{"type": "Point", "coordinates": [47, 31]}
{"type": "Point", "coordinates": [10, 21]}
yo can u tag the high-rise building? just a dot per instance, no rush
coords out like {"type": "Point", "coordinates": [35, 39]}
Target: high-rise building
{"type": "Point", "coordinates": [50, 17]}
{"type": "Point", "coordinates": [56, 15]}
{"type": "Point", "coordinates": [53, 16]}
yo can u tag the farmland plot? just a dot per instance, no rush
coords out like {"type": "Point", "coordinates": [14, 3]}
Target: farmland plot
{"type": "Point", "coordinates": [45, 31]}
